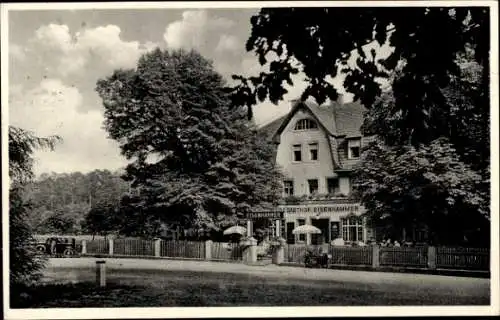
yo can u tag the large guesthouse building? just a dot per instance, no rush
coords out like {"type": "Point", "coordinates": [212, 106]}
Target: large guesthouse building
{"type": "Point", "coordinates": [316, 148]}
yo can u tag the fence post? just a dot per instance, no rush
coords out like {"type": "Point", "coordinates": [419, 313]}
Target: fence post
{"type": "Point", "coordinates": [279, 252]}
{"type": "Point", "coordinates": [208, 249]}
{"type": "Point", "coordinates": [431, 257]}
{"type": "Point", "coordinates": [157, 247]}
{"type": "Point", "coordinates": [84, 246]}
{"type": "Point", "coordinates": [375, 256]}
{"type": "Point", "coordinates": [101, 273]}
{"type": "Point", "coordinates": [110, 247]}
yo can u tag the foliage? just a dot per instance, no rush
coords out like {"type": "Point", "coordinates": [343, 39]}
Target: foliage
{"type": "Point", "coordinates": [102, 219]}
{"type": "Point", "coordinates": [69, 197]}
{"type": "Point", "coordinates": [322, 42]}
{"type": "Point", "coordinates": [25, 265]}
{"type": "Point", "coordinates": [194, 163]}
{"type": "Point", "coordinates": [402, 186]}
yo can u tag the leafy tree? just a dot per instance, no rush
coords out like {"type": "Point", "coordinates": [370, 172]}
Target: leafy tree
{"type": "Point", "coordinates": [101, 219]}
{"type": "Point", "coordinates": [404, 187]}
{"type": "Point", "coordinates": [319, 42]}
{"type": "Point", "coordinates": [194, 163]}
{"type": "Point", "coordinates": [69, 196]}
{"type": "Point", "coordinates": [25, 265]}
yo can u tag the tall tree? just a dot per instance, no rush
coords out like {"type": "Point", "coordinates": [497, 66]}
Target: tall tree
{"type": "Point", "coordinates": [25, 265]}
{"type": "Point", "coordinates": [194, 163]}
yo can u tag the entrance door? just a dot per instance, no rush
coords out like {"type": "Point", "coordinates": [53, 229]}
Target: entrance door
{"type": "Point", "coordinates": [290, 237]}
{"type": "Point", "coordinates": [321, 224]}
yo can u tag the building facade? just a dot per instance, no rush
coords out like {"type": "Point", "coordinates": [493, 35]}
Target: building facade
{"type": "Point", "coordinates": [317, 148]}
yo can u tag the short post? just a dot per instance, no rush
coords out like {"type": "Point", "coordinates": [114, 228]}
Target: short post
{"type": "Point", "coordinates": [84, 246]}
{"type": "Point", "coordinates": [157, 247]}
{"type": "Point", "coordinates": [110, 247]}
{"type": "Point", "coordinates": [100, 273]}
{"type": "Point", "coordinates": [375, 256]}
{"type": "Point", "coordinates": [431, 257]}
{"type": "Point", "coordinates": [208, 249]}
{"type": "Point", "coordinates": [279, 252]}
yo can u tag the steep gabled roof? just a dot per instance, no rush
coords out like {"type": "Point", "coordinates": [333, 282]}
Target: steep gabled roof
{"type": "Point", "coordinates": [322, 114]}
{"type": "Point", "coordinates": [349, 118]}
{"type": "Point", "coordinates": [339, 120]}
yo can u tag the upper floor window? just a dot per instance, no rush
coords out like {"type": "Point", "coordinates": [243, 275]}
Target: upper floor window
{"type": "Point", "coordinates": [288, 187]}
{"type": "Point", "coordinates": [297, 152]}
{"type": "Point", "coordinates": [333, 185]}
{"type": "Point", "coordinates": [306, 124]}
{"type": "Point", "coordinates": [353, 148]}
{"type": "Point", "coordinates": [313, 151]}
{"type": "Point", "coordinates": [313, 186]}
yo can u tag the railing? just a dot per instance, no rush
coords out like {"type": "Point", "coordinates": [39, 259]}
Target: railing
{"type": "Point", "coordinates": [460, 258]}
{"type": "Point", "coordinates": [404, 256]}
{"type": "Point", "coordinates": [183, 249]}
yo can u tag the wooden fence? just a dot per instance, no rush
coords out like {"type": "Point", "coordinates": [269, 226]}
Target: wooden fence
{"type": "Point", "coordinates": [463, 258]}
{"type": "Point", "coordinates": [98, 247]}
{"type": "Point", "coordinates": [132, 247]}
{"type": "Point", "coordinates": [183, 249]}
{"type": "Point", "coordinates": [414, 257]}
{"type": "Point", "coordinates": [404, 256]}
{"type": "Point", "coordinates": [375, 257]}
{"type": "Point", "coordinates": [351, 255]}
{"type": "Point", "coordinates": [226, 251]}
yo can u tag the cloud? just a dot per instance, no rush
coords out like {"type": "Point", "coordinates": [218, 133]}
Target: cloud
{"type": "Point", "coordinates": [194, 30]}
{"type": "Point", "coordinates": [228, 43]}
{"type": "Point", "coordinates": [17, 52]}
{"type": "Point", "coordinates": [65, 53]}
{"type": "Point", "coordinates": [52, 108]}
{"type": "Point", "coordinates": [215, 38]}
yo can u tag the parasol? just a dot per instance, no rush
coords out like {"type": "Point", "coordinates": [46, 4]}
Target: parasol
{"type": "Point", "coordinates": [235, 230]}
{"type": "Point", "coordinates": [306, 229]}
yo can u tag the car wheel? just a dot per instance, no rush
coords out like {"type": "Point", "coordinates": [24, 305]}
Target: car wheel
{"type": "Point", "coordinates": [40, 249]}
{"type": "Point", "coordinates": [68, 252]}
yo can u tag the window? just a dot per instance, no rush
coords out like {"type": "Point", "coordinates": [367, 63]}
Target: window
{"type": "Point", "coordinates": [333, 185]}
{"type": "Point", "coordinates": [297, 153]}
{"type": "Point", "coordinates": [313, 186]}
{"type": "Point", "coordinates": [306, 124]}
{"type": "Point", "coordinates": [301, 222]}
{"type": "Point", "coordinates": [288, 187]}
{"type": "Point", "coordinates": [352, 229]}
{"type": "Point", "coordinates": [313, 151]}
{"type": "Point", "coordinates": [353, 148]}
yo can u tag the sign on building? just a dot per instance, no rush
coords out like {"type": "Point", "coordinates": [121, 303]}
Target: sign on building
{"type": "Point", "coordinates": [275, 215]}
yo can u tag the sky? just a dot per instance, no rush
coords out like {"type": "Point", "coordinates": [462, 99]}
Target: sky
{"type": "Point", "coordinates": [57, 56]}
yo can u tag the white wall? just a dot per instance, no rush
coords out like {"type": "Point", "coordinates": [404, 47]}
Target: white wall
{"type": "Point", "coordinates": [300, 172]}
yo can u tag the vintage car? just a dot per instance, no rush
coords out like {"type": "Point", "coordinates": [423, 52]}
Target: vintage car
{"type": "Point", "coordinates": [58, 246]}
